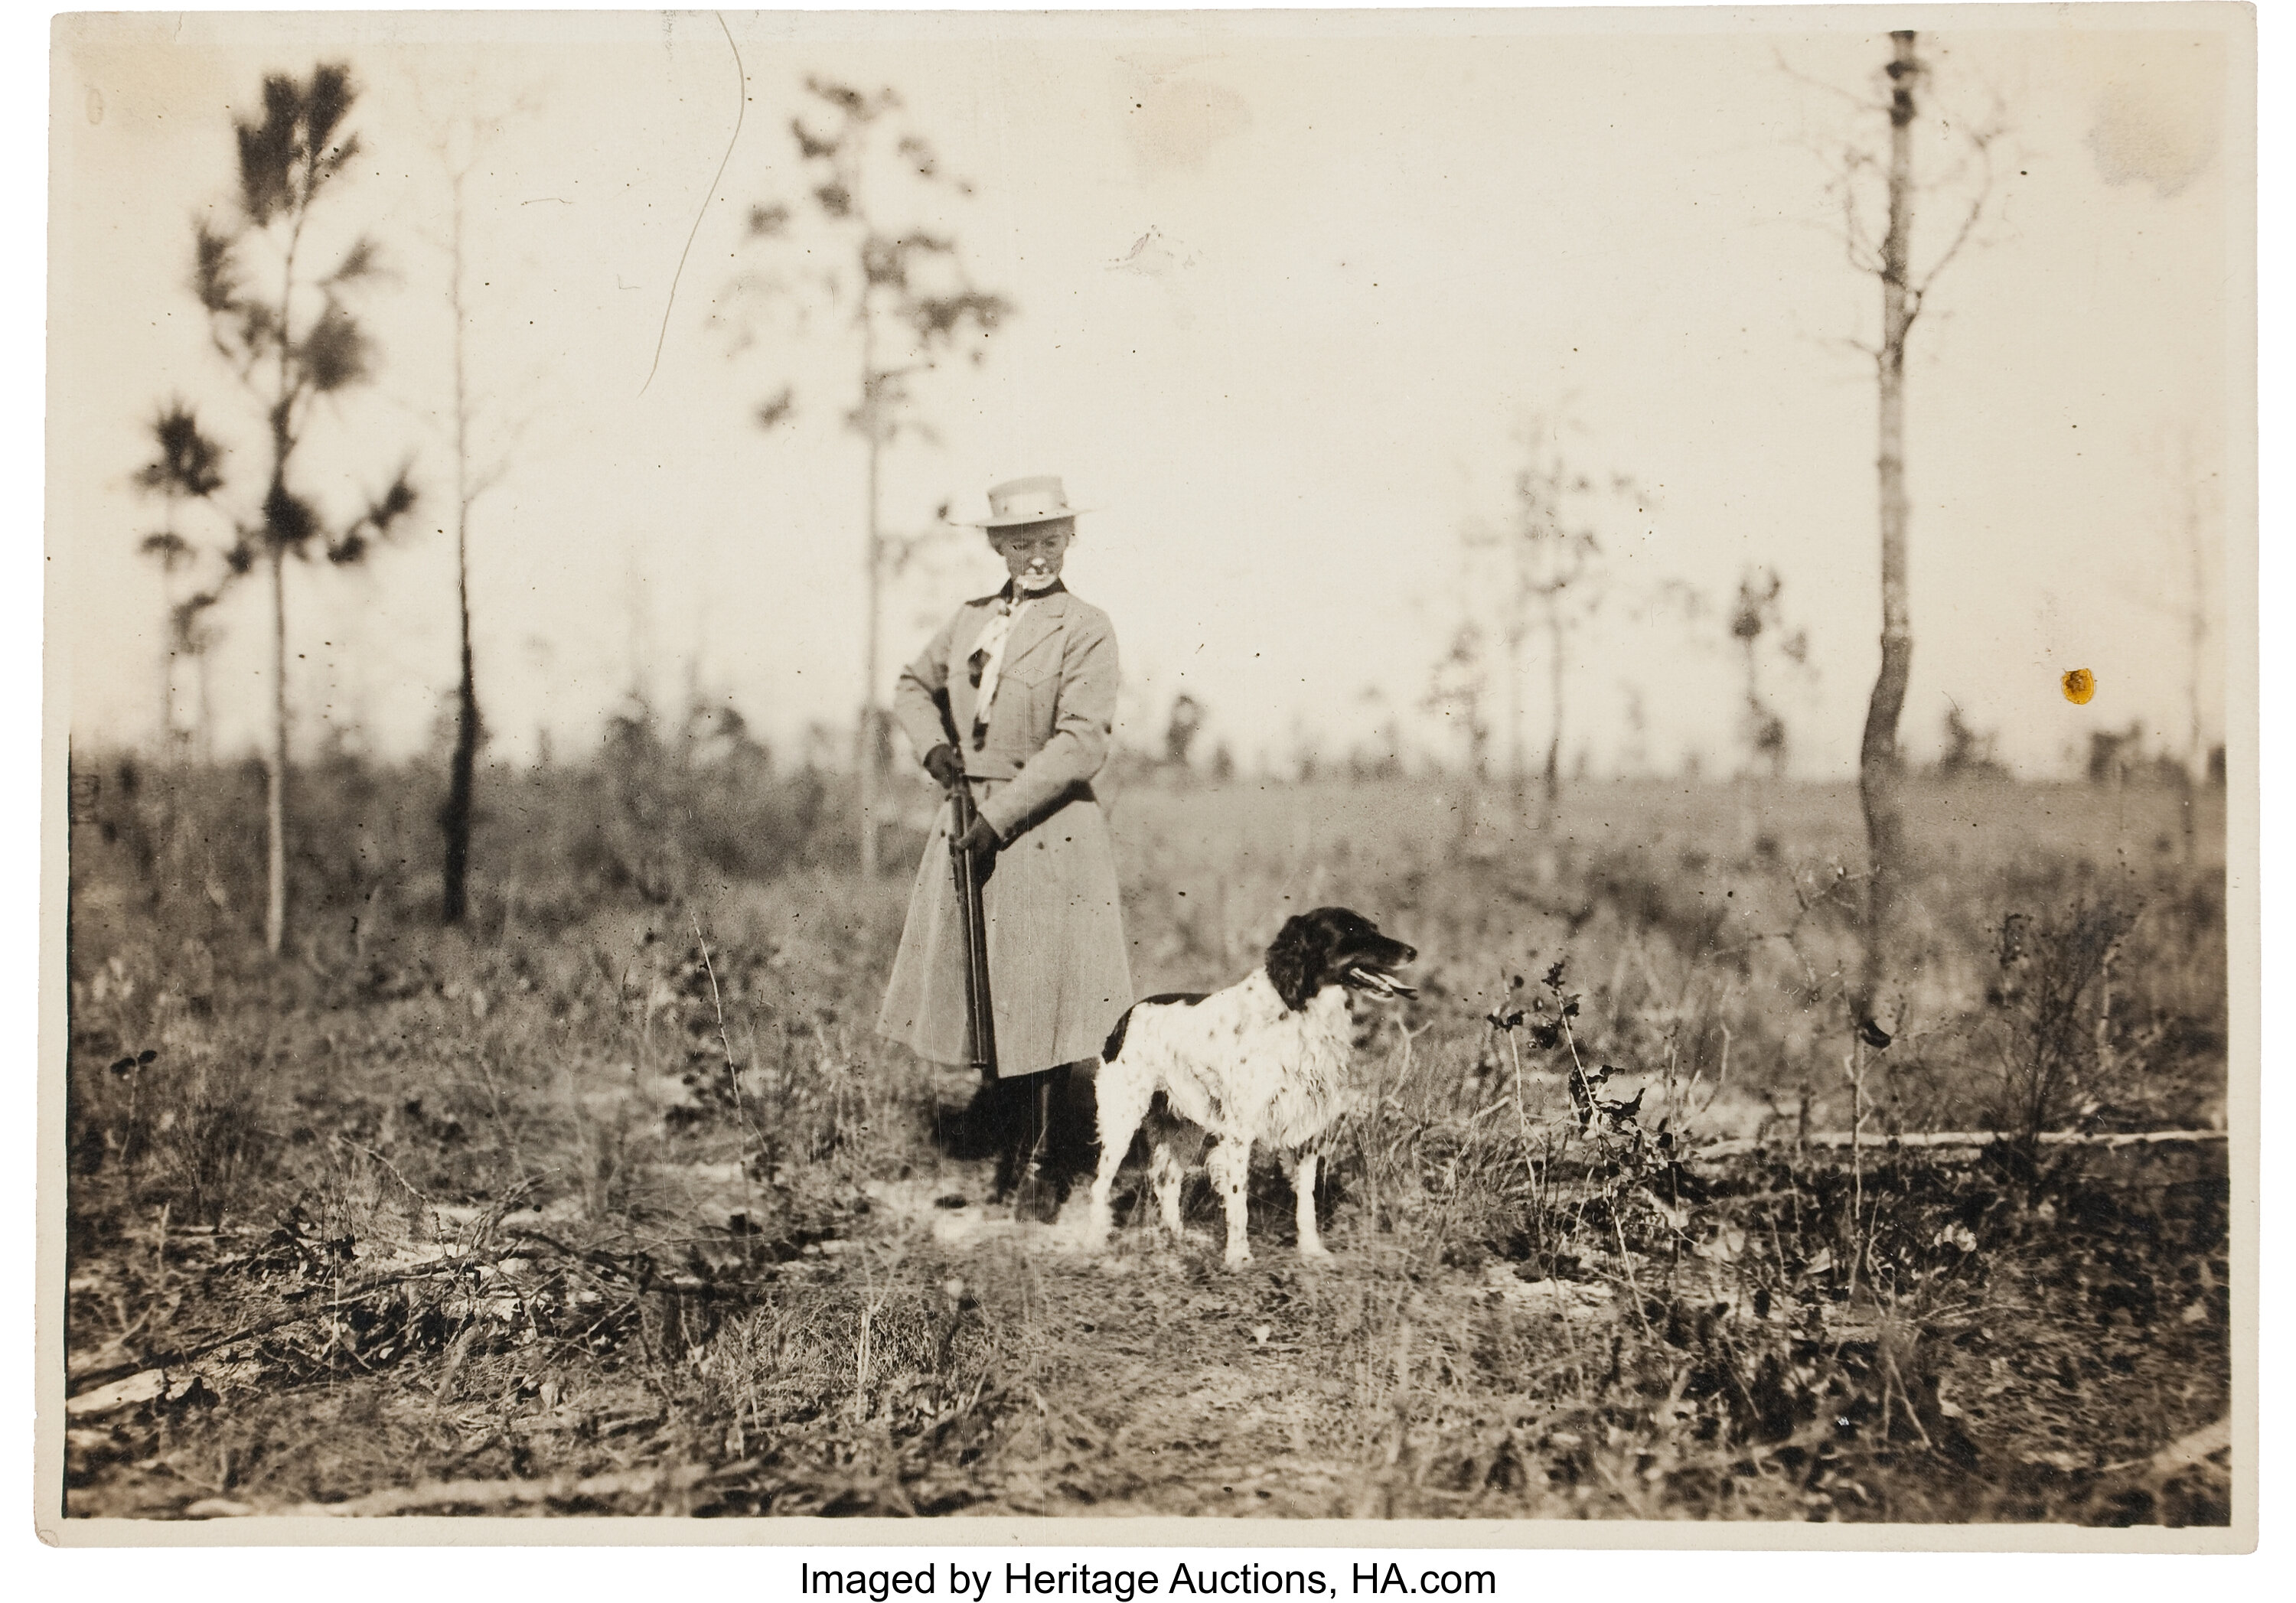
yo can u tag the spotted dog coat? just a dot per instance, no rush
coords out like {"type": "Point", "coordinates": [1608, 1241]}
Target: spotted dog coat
{"type": "Point", "coordinates": [1263, 1061]}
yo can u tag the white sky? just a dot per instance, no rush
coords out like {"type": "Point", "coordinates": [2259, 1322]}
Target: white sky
{"type": "Point", "coordinates": [1380, 247]}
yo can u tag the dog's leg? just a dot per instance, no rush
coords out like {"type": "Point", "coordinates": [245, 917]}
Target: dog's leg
{"type": "Point", "coordinates": [1166, 1170]}
{"type": "Point", "coordinates": [1231, 1167]}
{"type": "Point", "coordinates": [1123, 1099]}
{"type": "Point", "coordinates": [1303, 1181]}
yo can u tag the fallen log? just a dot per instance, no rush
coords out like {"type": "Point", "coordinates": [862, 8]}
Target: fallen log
{"type": "Point", "coordinates": [94, 1381]}
{"type": "Point", "coordinates": [143, 1387]}
{"type": "Point", "coordinates": [2190, 1452]}
{"type": "Point", "coordinates": [2197, 1449]}
{"type": "Point", "coordinates": [500, 1495]}
{"type": "Point", "coordinates": [1972, 1139]}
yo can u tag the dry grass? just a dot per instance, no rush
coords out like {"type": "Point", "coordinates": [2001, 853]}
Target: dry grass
{"type": "Point", "coordinates": [611, 1202]}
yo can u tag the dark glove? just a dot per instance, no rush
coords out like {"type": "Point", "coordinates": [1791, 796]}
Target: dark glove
{"type": "Point", "coordinates": [945, 766]}
{"type": "Point", "coordinates": [980, 839]}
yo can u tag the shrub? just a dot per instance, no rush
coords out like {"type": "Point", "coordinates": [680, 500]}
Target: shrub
{"type": "Point", "coordinates": [2052, 1031]}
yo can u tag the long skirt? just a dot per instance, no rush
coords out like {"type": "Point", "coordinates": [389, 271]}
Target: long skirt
{"type": "Point", "coordinates": [1059, 974]}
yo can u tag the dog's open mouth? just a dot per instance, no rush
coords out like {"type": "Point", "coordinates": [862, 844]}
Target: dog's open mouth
{"type": "Point", "coordinates": [1378, 981]}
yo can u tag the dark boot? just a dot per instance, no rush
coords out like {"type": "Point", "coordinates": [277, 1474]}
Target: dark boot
{"type": "Point", "coordinates": [1044, 1125]}
{"type": "Point", "coordinates": [1007, 1105]}
{"type": "Point", "coordinates": [1035, 1195]}
{"type": "Point", "coordinates": [1063, 1145]}
{"type": "Point", "coordinates": [1072, 1125]}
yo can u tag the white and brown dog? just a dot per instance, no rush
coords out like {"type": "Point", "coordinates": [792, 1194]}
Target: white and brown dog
{"type": "Point", "coordinates": [1263, 1061]}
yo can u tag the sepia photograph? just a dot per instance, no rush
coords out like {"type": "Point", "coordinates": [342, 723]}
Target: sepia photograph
{"type": "Point", "coordinates": [1425, 776]}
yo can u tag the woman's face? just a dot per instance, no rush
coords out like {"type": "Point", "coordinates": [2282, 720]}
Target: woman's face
{"type": "Point", "coordinates": [1033, 552]}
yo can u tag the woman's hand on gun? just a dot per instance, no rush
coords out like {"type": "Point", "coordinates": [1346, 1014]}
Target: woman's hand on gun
{"type": "Point", "coordinates": [945, 766]}
{"type": "Point", "coordinates": [980, 839]}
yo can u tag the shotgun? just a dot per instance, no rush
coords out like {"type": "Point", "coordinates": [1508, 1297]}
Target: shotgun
{"type": "Point", "coordinates": [979, 1017]}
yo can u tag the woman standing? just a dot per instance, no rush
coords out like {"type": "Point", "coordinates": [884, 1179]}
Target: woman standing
{"type": "Point", "coordinates": [1025, 681]}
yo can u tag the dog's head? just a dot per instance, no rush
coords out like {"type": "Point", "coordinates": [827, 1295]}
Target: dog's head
{"type": "Point", "coordinates": [1333, 947]}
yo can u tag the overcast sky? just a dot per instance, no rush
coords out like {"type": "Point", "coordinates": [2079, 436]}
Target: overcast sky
{"type": "Point", "coordinates": [1289, 291]}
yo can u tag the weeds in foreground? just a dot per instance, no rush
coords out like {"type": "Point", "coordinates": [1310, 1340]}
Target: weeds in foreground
{"type": "Point", "coordinates": [626, 1212]}
{"type": "Point", "coordinates": [2054, 1035]}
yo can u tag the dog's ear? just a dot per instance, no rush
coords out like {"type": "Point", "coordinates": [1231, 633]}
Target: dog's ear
{"type": "Point", "coordinates": [1295, 961]}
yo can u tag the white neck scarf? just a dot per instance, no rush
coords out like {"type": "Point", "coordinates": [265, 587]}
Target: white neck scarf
{"type": "Point", "coordinates": [989, 652]}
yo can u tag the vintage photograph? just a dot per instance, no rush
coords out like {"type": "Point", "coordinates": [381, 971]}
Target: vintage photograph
{"type": "Point", "coordinates": [1488, 768]}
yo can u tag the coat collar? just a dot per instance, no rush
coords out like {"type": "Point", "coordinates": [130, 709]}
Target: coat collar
{"type": "Point", "coordinates": [1058, 587]}
{"type": "Point", "coordinates": [1041, 621]}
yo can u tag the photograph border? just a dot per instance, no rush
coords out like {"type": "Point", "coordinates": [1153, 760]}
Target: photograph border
{"type": "Point", "coordinates": [2243, 905]}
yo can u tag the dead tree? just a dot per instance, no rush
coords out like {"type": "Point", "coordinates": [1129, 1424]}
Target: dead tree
{"type": "Point", "coordinates": [472, 479]}
{"type": "Point", "coordinates": [1903, 292]}
{"type": "Point", "coordinates": [2196, 640]}
{"type": "Point", "coordinates": [1457, 689]}
{"type": "Point", "coordinates": [906, 301]}
{"type": "Point", "coordinates": [1756, 617]}
{"type": "Point", "coordinates": [1554, 585]}
{"type": "Point", "coordinates": [2182, 524]}
{"type": "Point", "coordinates": [455, 817]}
{"type": "Point", "coordinates": [187, 466]}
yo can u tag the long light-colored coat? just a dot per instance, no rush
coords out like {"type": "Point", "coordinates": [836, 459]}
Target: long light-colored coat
{"type": "Point", "coordinates": [1058, 968]}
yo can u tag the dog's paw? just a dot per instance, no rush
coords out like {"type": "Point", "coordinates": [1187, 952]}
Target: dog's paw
{"type": "Point", "coordinates": [1236, 1257]}
{"type": "Point", "coordinates": [1315, 1252]}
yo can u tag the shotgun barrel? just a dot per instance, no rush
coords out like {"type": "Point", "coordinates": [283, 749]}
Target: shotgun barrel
{"type": "Point", "coordinates": [979, 1015]}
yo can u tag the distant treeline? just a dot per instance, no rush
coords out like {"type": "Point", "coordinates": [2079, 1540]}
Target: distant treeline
{"type": "Point", "coordinates": [631, 822]}
{"type": "Point", "coordinates": [658, 810]}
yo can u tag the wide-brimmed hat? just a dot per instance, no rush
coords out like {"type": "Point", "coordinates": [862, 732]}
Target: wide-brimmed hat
{"type": "Point", "coordinates": [1018, 500]}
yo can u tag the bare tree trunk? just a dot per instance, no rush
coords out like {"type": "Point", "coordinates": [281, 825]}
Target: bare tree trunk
{"type": "Point", "coordinates": [1517, 768]}
{"type": "Point", "coordinates": [455, 818]}
{"type": "Point", "coordinates": [205, 737]}
{"type": "Point", "coordinates": [282, 446]}
{"type": "Point", "coordinates": [2197, 633]}
{"type": "Point", "coordinates": [1878, 770]}
{"type": "Point", "coordinates": [1750, 783]}
{"type": "Point", "coordinates": [274, 789]}
{"type": "Point", "coordinates": [869, 738]}
{"type": "Point", "coordinates": [170, 746]}
{"type": "Point", "coordinates": [455, 900]}
{"type": "Point", "coordinates": [1554, 707]}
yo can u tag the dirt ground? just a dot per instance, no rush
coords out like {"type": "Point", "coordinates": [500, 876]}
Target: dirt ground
{"type": "Point", "coordinates": [618, 1207]}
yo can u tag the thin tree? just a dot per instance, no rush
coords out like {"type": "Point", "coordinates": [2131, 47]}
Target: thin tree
{"type": "Point", "coordinates": [1553, 585]}
{"type": "Point", "coordinates": [2181, 532]}
{"type": "Point", "coordinates": [1181, 728]}
{"type": "Point", "coordinates": [471, 481]}
{"type": "Point", "coordinates": [1903, 293]}
{"type": "Point", "coordinates": [1381, 758]}
{"type": "Point", "coordinates": [186, 465]}
{"type": "Point", "coordinates": [1969, 751]}
{"type": "Point", "coordinates": [193, 633]}
{"type": "Point", "coordinates": [1757, 617]}
{"type": "Point", "coordinates": [2195, 489]}
{"type": "Point", "coordinates": [290, 346]}
{"type": "Point", "coordinates": [907, 303]}
{"type": "Point", "coordinates": [455, 817]}
{"type": "Point", "coordinates": [1458, 688]}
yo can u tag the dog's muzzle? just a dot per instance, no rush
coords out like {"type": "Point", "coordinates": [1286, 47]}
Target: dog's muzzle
{"type": "Point", "coordinates": [1380, 982]}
